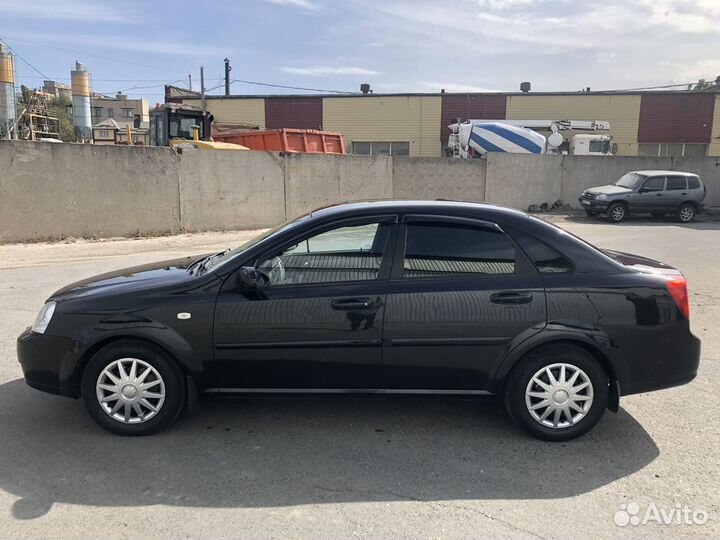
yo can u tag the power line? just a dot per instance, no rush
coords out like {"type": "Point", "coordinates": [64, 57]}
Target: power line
{"type": "Point", "coordinates": [292, 87]}
{"type": "Point", "coordinates": [20, 57]}
{"type": "Point", "coordinates": [648, 87]}
{"type": "Point", "coordinates": [84, 53]}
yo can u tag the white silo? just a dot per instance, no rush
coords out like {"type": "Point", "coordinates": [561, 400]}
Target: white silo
{"type": "Point", "coordinates": [7, 95]}
{"type": "Point", "coordinates": [81, 103]}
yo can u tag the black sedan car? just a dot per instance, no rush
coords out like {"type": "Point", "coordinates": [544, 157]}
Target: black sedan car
{"type": "Point", "coordinates": [392, 297]}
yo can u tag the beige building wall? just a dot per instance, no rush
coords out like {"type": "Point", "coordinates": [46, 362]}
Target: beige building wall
{"type": "Point", "coordinates": [118, 106]}
{"type": "Point", "coordinates": [234, 111]}
{"type": "Point", "coordinates": [714, 146]}
{"type": "Point", "coordinates": [623, 113]}
{"type": "Point", "coordinates": [413, 119]}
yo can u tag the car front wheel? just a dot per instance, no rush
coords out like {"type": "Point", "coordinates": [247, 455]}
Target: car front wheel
{"type": "Point", "coordinates": [133, 388]}
{"type": "Point", "coordinates": [616, 212]}
{"type": "Point", "coordinates": [557, 392]}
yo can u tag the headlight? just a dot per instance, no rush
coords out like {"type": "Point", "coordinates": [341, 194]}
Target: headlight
{"type": "Point", "coordinates": [43, 318]}
{"type": "Point", "coordinates": [601, 197]}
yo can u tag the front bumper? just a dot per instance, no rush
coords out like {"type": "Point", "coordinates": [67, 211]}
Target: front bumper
{"type": "Point", "coordinates": [593, 204]}
{"type": "Point", "coordinates": [49, 363]}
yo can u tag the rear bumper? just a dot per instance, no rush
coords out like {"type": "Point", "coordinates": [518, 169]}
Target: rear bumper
{"type": "Point", "coordinates": [671, 368]}
{"type": "Point", "coordinates": [593, 204]}
{"type": "Point", "coordinates": [48, 363]}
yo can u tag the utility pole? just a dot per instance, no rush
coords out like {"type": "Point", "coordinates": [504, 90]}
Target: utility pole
{"type": "Point", "coordinates": [190, 81]}
{"type": "Point", "coordinates": [228, 68]}
{"type": "Point", "coordinates": [202, 89]}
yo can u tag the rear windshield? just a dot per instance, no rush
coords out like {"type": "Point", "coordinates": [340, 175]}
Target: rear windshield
{"type": "Point", "coordinates": [630, 180]}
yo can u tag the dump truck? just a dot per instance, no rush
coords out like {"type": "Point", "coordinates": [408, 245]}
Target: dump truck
{"type": "Point", "coordinates": [302, 141]}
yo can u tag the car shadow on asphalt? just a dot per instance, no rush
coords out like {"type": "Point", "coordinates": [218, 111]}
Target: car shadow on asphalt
{"type": "Point", "coordinates": [281, 451]}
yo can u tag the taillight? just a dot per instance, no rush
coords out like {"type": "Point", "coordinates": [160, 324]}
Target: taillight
{"type": "Point", "coordinates": [677, 287]}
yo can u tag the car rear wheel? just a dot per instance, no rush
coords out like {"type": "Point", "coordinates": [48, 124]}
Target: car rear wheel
{"type": "Point", "coordinates": [616, 212]}
{"type": "Point", "coordinates": [686, 213]}
{"type": "Point", "coordinates": [557, 392]}
{"type": "Point", "coordinates": [133, 388]}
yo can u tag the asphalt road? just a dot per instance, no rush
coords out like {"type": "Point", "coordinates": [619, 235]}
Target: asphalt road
{"type": "Point", "coordinates": [347, 466]}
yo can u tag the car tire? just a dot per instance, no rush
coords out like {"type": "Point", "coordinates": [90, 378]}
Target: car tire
{"type": "Point", "coordinates": [686, 213]}
{"type": "Point", "coordinates": [658, 215]}
{"type": "Point", "coordinates": [591, 213]}
{"type": "Point", "coordinates": [141, 388]}
{"type": "Point", "coordinates": [616, 212]}
{"type": "Point", "coordinates": [523, 394]}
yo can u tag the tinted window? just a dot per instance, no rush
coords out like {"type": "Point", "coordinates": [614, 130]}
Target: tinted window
{"type": "Point", "coordinates": [343, 254]}
{"type": "Point", "coordinates": [445, 250]}
{"type": "Point", "coordinates": [545, 258]}
{"type": "Point", "coordinates": [675, 183]}
{"type": "Point", "coordinates": [657, 183]}
{"type": "Point", "coordinates": [693, 182]}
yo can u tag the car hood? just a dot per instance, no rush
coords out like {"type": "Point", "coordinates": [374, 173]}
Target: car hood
{"type": "Point", "coordinates": [610, 189]}
{"type": "Point", "coordinates": [153, 275]}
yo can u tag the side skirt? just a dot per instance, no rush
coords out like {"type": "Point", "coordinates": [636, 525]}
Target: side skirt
{"type": "Point", "coordinates": [345, 391]}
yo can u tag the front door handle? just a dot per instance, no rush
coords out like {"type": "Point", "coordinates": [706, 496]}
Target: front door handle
{"type": "Point", "coordinates": [511, 298]}
{"type": "Point", "coordinates": [659, 195]}
{"type": "Point", "coordinates": [350, 304]}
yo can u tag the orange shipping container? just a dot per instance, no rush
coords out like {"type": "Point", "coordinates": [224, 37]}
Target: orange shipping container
{"type": "Point", "coordinates": [306, 141]}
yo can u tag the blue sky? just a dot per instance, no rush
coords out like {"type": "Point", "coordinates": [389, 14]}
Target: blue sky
{"type": "Point", "coordinates": [395, 45]}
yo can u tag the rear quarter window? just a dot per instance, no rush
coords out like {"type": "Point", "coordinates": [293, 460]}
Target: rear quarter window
{"type": "Point", "coordinates": [546, 259]}
{"type": "Point", "coordinates": [693, 182]}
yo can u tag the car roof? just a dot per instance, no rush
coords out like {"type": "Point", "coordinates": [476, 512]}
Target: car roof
{"type": "Point", "coordinates": [404, 206]}
{"type": "Point", "coordinates": [659, 172]}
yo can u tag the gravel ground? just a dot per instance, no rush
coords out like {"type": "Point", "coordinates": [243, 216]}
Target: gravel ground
{"type": "Point", "coordinates": [363, 467]}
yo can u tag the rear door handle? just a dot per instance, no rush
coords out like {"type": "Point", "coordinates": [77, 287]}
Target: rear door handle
{"type": "Point", "coordinates": [349, 304]}
{"type": "Point", "coordinates": [511, 298]}
{"type": "Point", "coordinates": [659, 195]}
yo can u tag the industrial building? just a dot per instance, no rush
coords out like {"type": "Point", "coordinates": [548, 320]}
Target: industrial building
{"type": "Point", "coordinates": [650, 123]}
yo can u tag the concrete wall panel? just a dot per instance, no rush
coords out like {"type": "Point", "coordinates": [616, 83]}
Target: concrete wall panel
{"type": "Point", "coordinates": [50, 191]}
{"type": "Point", "coordinates": [313, 180]}
{"type": "Point", "coordinates": [438, 178]}
{"type": "Point", "coordinates": [519, 180]}
{"type": "Point", "coordinates": [231, 190]}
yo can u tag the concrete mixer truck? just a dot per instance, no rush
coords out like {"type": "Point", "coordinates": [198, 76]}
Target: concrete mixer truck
{"type": "Point", "coordinates": [475, 138]}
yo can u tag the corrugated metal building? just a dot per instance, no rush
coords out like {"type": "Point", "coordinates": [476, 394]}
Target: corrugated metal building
{"type": "Point", "coordinates": [642, 123]}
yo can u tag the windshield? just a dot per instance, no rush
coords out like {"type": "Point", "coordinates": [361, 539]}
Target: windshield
{"type": "Point", "coordinates": [630, 180]}
{"type": "Point", "coordinates": [230, 254]}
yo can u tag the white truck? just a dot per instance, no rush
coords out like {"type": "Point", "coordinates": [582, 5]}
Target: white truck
{"type": "Point", "coordinates": [475, 138]}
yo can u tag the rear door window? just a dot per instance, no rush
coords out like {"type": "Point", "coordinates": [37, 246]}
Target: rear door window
{"type": "Point", "coordinates": [676, 183]}
{"type": "Point", "coordinates": [446, 249]}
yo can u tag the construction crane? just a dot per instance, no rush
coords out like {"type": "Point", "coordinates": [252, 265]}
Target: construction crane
{"type": "Point", "coordinates": [475, 138]}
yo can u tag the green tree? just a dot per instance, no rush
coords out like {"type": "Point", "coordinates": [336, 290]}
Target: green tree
{"type": "Point", "coordinates": [59, 108]}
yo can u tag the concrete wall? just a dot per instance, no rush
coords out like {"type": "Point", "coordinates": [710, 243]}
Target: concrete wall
{"type": "Point", "coordinates": [312, 181]}
{"type": "Point", "coordinates": [231, 190]}
{"type": "Point", "coordinates": [50, 191]}
{"type": "Point", "coordinates": [438, 178]}
{"type": "Point", "coordinates": [519, 180]}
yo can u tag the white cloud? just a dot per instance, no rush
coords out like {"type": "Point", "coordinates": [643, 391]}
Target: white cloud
{"type": "Point", "coordinates": [323, 71]}
{"type": "Point", "coordinates": [430, 86]}
{"type": "Point", "coordinates": [302, 4]}
{"type": "Point", "coordinates": [66, 10]}
{"type": "Point", "coordinates": [108, 42]}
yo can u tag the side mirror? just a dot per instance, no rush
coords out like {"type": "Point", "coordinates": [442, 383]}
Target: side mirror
{"type": "Point", "coordinates": [248, 277]}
